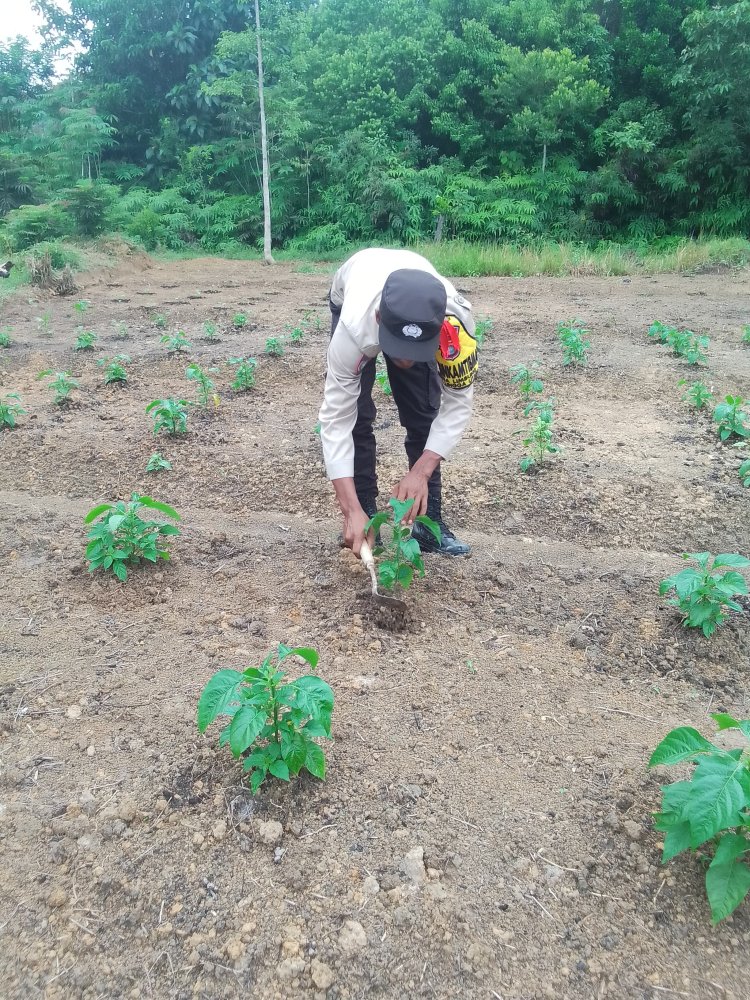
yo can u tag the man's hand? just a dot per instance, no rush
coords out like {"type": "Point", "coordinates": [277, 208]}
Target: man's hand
{"type": "Point", "coordinates": [354, 530]}
{"type": "Point", "coordinates": [413, 487]}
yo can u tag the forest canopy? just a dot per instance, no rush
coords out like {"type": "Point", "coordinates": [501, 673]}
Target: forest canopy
{"type": "Point", "coordinates": [483, 120]}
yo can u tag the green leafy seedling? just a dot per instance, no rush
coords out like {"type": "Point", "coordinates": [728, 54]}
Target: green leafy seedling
{"type": "Point", "coordinates": [10, 408]}
{"type": "Point", "coordinates": [542, 408]}
{"type": "Point", "coordinates": [575, 345]}
{"type": "Point", "coordinates": [239, 320]}
{"type": "Point", "coordinates": [296, 334]}
{"type": "Point", "coordinates": [121, 330]}
{"type": "Point", "coordinates": [210, 331]}
{"type": "Point", "coordinates": [540, 439]}
{"type": "Point", "coordinates": [85, 340]}
{"type": "Point", "coordinates": [169, 415]}
{"type": "Point", "coordinates": [685, 344]}
{"type": "Point", "coordinates": [402, 556]}
{"type": "Point", "coordinates": [204, 384]}
{"type": "Point", "coordinates": [482, 330]}
{"type": "Point", "coordinates": [158, 464]}
{"type": "Point", "coordinates": [5, 339]}
{"type": "Point", "coordinates": [709, 813]}
{"type": "Point", "coordinates": [274, 722]}
{"type": "Point", "coordinates": [732, 418]}
{"type": "Point", "coordinates": [62, 385]}
{"type": "Point", "coordinates": [697, 394]}
{"type": "Point", "coordinates": [119, 536]}
{"type": "Point", "coordinates": [744, 473]}
{"type": "Point", "coordinates": [381, 376]}
{"type": "Point", "coordinates": [244, 373]}
{"type": "Point", "coordinates": [44, 322]}
{"type": "Point", "coordinates": [703, 593]}
{"type": "Point", "coordinates": [274, 347]}
{"type": "Point", "coordinates": [159, 320]}
{"type": "Point", "coordinates": [81, 306]}
{"type": "Point", "coordinates": [175, 342]}
{"type": "Point", "coordinates": [114, 368]}
{"type": "Point", "coordinates": [659, 331]}
{"type": "Point", "coordinates": [525, 377]}
{"type": "Point", "coordinates": [745, 334]}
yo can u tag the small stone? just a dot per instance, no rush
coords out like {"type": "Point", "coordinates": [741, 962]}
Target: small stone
{"type": "Point", "coordinates": [219, 830]}
{"type": "Point", "coordinates": [271, 832]}
{"type": "Point", "coordinates": [412, 865]}
{"type": "Point", "coordinates": [74, 712]}
{"type": "Point", "coordinates": [371, 886]}
{"type": "Point", "coordinates": [198, 839]}
{"type": "Point", "coordinates": [57, 898]}
{"type": "Point", "coordinates": [436, 890]}
{"type": "Point", "coordinates": [352, 937]}
{"type": "Point", "coordinates": [289, 968]}
{"type": "Point", "coordinates": [634, 830]}
{"type": "Point", "coordinates": [322, 975]}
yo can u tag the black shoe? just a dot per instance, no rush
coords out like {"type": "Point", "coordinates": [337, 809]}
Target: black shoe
{"type": "Point", "coordinates": [449, 545]}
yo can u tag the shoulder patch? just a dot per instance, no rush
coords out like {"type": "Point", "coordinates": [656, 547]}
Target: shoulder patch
{"type": "Point", "coordinates": [457, 358]}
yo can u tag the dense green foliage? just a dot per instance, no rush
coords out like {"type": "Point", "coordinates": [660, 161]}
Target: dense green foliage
{"type": "Point", "coordinates": [511, 120]}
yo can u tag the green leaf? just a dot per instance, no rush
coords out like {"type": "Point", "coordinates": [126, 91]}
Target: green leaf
{"type": "Point", "coordinates": [317, 692]}
{"type": "Point", "coordinates": [294, 750]}
{"type": "Point", "coordinates": [431, 525]}
{"type": "Point", "coordinates": [217, 696]}
{"type": "Point", "coordinates": [257, 778]}
{"type": "Point", "coordinates": [681, 744]}
{"type": "Point", "coordinates": [279, 770]}
{"type": "Point", "coordinates": [315, 761]}
{"type": "Point", "coordinates": [724, 721]}
{"type": "Point", "coordinates": [727, 878]}
{"type": "Point", "coordinates": [315, 728]}
{"type": "Point", "coordinates": [96, 511]}
{"type": "Point", "coordinates": [120, 571]}
{"type": "Point", "coordinates": [721, 790]}
{"type": "Point", "coordinates": [377, 521]}
{"type": "Point", "coordinates": [310, 656]}
{"type": "Point", "coordinates": [245, 727]}
{"type": "Point", "coordinates": [404, 576]}
{"type": "Point", "coordinates": [158, 505]}
{"type": "Point", "coordinates": [400, 508]}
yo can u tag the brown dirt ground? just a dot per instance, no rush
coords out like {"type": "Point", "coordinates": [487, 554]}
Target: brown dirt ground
{"type": "Point", "coordinates": [504, 731]}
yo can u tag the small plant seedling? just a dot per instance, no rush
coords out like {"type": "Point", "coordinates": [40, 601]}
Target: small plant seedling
{"type": "Point", "coordinates": [697, 394]}
{"type": "Point", "coordinates": [744, 473]}
{"type": "Point", "coordinates": [401, 553]}
{"type": "Point", "coordinates": [542, 408]}
{"type": "Point", "coordinates": [239, 320]}
{"type": "Point", "coordinates": [745, 334]}
{"type": "Point", "coordinates": [120, 537]}
{"type": "Point", "coordinates": [244, 373]}
{"type": "Point", "coordinates": [114, 370]}
{"type": "Point", "coordinates": [175, 342]}
{"type": "Point", "coordinates": [44, 322]}
{"type": "Point", "coordinates": [5, 339]}
{"type": "Point", "coordinates": [317, 428]}
{"type": "Point", "coordinates": [659, 331]}
{"type": "Point", "coordinates": [210, 331]}
{"type": "Point", "coordinates": [62, 385]}
{"type": "Point", "coordinates": [121, 331]}
{"type": "Point", "coordinates": [702, 594]}
{"type": "Point", "coordinates": [708, 813]}
{"type": "Point", "coordinates": [381, 376]}
{"type": "Point", "coordinates": [296, 334]}
{"type": "Point", "coordinates": [85, 340]}
{"type": "Point", "coordinates": [575, 345]}
{"type": "Point", "coordinates": [159, 320]}
{"type": "Point", "coordinates": [10, 408]}
{"type": "Point", "coordinates": [482, 330]}
{"type": "Point", "coordinates": [525, 377]}
{"type": "Point", "coordinates": [158, 464]}
{"type": "Point", "coordinates": [274, 347]}
{"type": "Point", "coordinates": [311, 325]}
{"type": "Point", "coordinates": [81, 306]}
{"type": "Point", "coordinates": [540, 439]}
{"type": "Point", "coordinates": [685, 344]}
{"type": "Point", "coordinates": [170, 415]}
{"type": "Point", "coordinates": [274, 722]}
{"type": "Point", "coordinates": [204, 384]}
{"type": "Point", "coordinates": [730, 417]}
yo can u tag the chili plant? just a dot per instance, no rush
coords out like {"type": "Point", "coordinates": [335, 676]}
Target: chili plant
{"type": "Point", "coordinates": [401, 553]}
{"type": "Point", "coordinates": [45, 322]}
{"type": "Point", "coordinates": [204, 384]}
{"type": "Point", "coordinates": [702, 594]}
{"type": "Point", "coordinates": [159, 320]}
{"type": "Point", "coordinates": [121, 330]}
{"type": "Point", "coordinates": [540, 439]}
{"type": "Point", "coordinates": [114, 368]}
{"type": "Point", "coordinates": [660, 331]}
{"type": "Point", "coordinates": [525, 377]}
{"type": "Point", "coordinates": [244, 373]}
{"type": "Point", "coordinates": [175, 341]}
{"type": "Point", "coordinates": [62, 385]}
{"type": "Point", "coordinates": [697, 394]}
{"type": "Point", "coordinates": [745, 335]}
{"type": "Point", "coordinates": [573, 338]}
{"type": "Point", "coordinates": [10, 408]}
{"type": "Point", "coordinates": [274, 722]}
{"type": "Point", "coordinates": [210, 331]}
{"type": "Point", "coordinates": [157, 464]}
{"type": "Point", "coordinates": [744, 473]}
{"type": "Point", "coordinates": [709, 813]}
{"type": "Point", "coordinates": [296, 334]}
{"type": "Point", "coordinates": [5, 340]}
{"type": "Point", "coordinates": [81, 306]}
{"type": "Point", "coordinates": [85, 340]}
{"type": "Point", "coordinates": [730, 417]}
{"type": "Point", "coordinates": [170, 415]}
{"type": "Point", "coordinates": [483, 328]}
{"type": "Point", "coordinates": [685, 344]}
{"type": "Point", "coordinates": [120, 537]}
{"type": "Point", "coordinates": [274, 347]}
{"type": "Point", "coordinates": [239, 320]}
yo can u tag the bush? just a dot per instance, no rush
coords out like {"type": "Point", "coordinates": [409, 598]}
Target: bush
{"type": "Point", "coordinates": [322, 239]}
{"type": "Point", "coordinates": [88, 204]}
{"type": "Point", "coordinates": [32, 224]}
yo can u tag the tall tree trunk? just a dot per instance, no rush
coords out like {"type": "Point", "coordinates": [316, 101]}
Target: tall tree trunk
{"type": "Point", "coordinates": [263, 148]}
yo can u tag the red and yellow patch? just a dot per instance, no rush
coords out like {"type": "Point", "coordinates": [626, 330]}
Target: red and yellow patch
{"type": "Point", "coordinates": [456, 357]}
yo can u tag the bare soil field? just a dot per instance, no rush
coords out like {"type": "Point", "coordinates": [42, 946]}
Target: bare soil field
{"type": "Point", "coordinates": [485, 829]}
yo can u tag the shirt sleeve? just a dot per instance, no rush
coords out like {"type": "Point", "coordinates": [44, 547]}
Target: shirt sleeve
{"type": "Point", "coordinates": [338, 413]}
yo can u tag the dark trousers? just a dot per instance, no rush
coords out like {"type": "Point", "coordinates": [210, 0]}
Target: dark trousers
{"type": "Point", "coordinates": [416, 393]}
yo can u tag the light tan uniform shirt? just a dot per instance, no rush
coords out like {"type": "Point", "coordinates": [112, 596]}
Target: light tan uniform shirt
{"type": "Point", "coordinates": [356, 288]}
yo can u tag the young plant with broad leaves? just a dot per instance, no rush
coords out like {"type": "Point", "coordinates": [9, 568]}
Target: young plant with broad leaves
{"type": "Point", "coordinates": [540, 437]}
{"type": "Point", "coordinates": [703, 593]}
{"type": "Point", "coordinates": [120, 536]}
{"type": "Point", "coordinates": [401, 554]}
{"type": "Point", "coordinates": [239, 320]}
{"type": "Point", "coordinates": [273, 721]}
{"type": "Point", "coordinates": [114, 368]}
{"type": "Point", "coordinates": [169, 415]}
{"type": "Point", "coordinates": [525, 377]}
{"type": "Point", "coordinates": [210, 331]}
{"type": "Point", "coordinates": [296, 334]}
{"type": "Point", "coordinates": [204, 384]}
{"type": "Point", "coordinates": [732, 418]}
{"type": "Point", "coordinates": [575, 343]}
{"type": "Point", "coordinates": [10, 409]}
{"type": "Point", "coordinates": [483, 329]}
{"type": "Point", "coordinates": [62, 385]}
{"type": "Point", "coordinates": [660, 331]}
{"type": "Point", "coordinates": [274, 347]}
{"type": "Point", "coordinates": [157, 463]}
{"type": "Point", "coordinates": [709, 813]}
{"type": "Point", "coordinates": [697, 394]}
{"type": "Point", "coordinates": [44, 322]}
{"type": "Point", "coordinates": [745, 334]}
{"type": "Point", "coordinates": [159, 320]}
{"type": "Point", "coordinates": [81, 307]}
{"type": "Point", "coordinates": [244, 373]}
{"type": "Point", "coordinates": [85, 341]}
{"type": "Point", "coordinates": [175, 342]}
{"type": "Point", "coordinates": [744, 473]}
{"type": "Point", "coordinates": [5, 338]}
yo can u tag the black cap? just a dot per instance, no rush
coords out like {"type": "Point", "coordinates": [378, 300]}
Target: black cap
{"type": "Point", "coordinates": [412, 311]}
